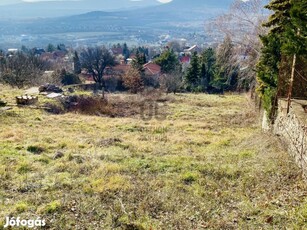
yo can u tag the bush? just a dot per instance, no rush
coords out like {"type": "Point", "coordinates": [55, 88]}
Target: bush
{"type": "Point", "coordinates": [20, 70]}
{"type": "Point", "coordinates": [90, 105]}
{"type": "Point", "coordinates": [69, 78]}
{"type": "Point", "coordinates": [198, 89]}
{"type": "Point", "coordinates": [86, 104]}
{"type": "Point", "coordinates": [113, 83]}
{"type": "Point", "coordinates": [133, 80]}
{"type": "Point", "coordinates": [56, 107]}
{"type": "Point", "coordinates": [151, 81]}
{"type": "Point", "coordinates": [171, 83]}
{"type": "Point", "coordinates": [52, 207]}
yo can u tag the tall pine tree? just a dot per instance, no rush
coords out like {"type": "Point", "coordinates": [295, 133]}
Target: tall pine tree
{"type": "Point", "coordinates": [192, 77]}
{"type": "Point", "coordinates": [270, 59]}
{"type": "Point", "coordinates": [295, 34]}
{"type": "Point", "coordinates": [168, 61]}
{"type": "Point", "coordinates": [77, 63]}
{"type": "Point", "coordinates": [207, 69]}
{"type": "Point", "coordinates": [138, 62]}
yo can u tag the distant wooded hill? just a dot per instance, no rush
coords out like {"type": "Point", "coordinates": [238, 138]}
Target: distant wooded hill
{"type": "Point", "coordinates": [20, 9]}
{"type": "Point", "coordinates": [178, 13]}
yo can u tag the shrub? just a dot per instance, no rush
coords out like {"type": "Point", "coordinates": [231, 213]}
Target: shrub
{"type": "Point", "coordinates": [90, 105]}
{"type": "Point", "coordinates": [133, 80]}
{"type": "Point", "coordinates": [151, 81]}
{"type": "Point", "coordinates": [20, 70]}
{"type": "Point", "coordinates": [113, 83]}
{"type": "Point", "coordinates": [95, 105]}
{"type": "Point", "coordinates": [21, 207]}
{"type": "Point", "coordinates": [171, 83]}
{"type": "Point", "coordinates": [189, 177]}
{"type": "Point", "coordinates": [55, 107]}
{"type": "Point", "coordinates": [52, 207]}
{"type": "Point", "coordinates": [69, 78]}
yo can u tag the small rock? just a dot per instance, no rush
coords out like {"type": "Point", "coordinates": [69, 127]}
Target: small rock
{"type": "Point", "coordinates": [58, 155]}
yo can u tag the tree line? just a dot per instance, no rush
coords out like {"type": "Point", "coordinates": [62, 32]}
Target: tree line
{"type": "Point", "coordinates": [284, 51]}
{"type": "Point", "coordinates": [213, 70]}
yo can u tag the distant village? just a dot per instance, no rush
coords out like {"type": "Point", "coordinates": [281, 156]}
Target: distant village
{"type": "Point", "coordinates": [173, 65]}
{"type": "Point", "coordinates": [61, 57]}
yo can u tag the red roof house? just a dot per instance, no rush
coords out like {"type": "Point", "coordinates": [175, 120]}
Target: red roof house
{"type": "Point", "coordinates": [152, 69]}
{"type": "Point", "coordinates": [185, 59]}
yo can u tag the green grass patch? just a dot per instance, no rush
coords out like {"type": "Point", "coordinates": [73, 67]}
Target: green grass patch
{"type": "Point", "coordinates": [206, 166]}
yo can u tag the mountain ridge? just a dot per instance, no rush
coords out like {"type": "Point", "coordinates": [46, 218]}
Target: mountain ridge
{"type": "Point", "coordinates": [177, 18]}
{"type": "Point", "coordinates": [50, 9]}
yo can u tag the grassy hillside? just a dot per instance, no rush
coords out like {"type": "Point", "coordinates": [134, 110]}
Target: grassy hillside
{"type": "Point", "coordinates": [207, 165]}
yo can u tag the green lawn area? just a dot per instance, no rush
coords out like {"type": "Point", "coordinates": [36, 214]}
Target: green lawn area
{"type": "Point", "coordinates": [207, 165]}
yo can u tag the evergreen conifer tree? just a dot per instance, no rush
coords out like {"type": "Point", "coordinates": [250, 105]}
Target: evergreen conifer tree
{"type": "Point", "coordinates": [77, 63]}
{"type": "Point", "coordinates": [271, 53]}
{"type": "Point", "coordinates": [126, 51]}
{"type": "Point", "coordinates": [192, 77]}
{"type": "Point", "coordinates": [138, 62]}
{"type": "Point", "coordinates": [207, 69]}
{"type": "Point", "coordinates": [168, 61]}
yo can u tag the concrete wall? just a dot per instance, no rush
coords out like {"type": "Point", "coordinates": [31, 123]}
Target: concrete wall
{"type": "Point", "coordinates": [292, 129]}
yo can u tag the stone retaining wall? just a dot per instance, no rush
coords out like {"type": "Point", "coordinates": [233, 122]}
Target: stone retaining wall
{"type": "Point", "coordinates": [292, 129]}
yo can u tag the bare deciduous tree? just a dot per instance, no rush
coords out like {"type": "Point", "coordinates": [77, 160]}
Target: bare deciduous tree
{"type": "Point", "coordinates": [243, 24]}
{"type": "Point", "coordinates": [95, 60]}
{"type": "Point", "coordinates": [20, 69]}
{"type": "Point", "coordinates": [171, 82]}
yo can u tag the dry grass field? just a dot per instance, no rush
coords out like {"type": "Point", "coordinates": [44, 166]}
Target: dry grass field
{"type": "Point", "coordinates": [205, 165]}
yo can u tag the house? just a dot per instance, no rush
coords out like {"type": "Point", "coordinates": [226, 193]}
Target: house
{"type": "Point", "coordinates": [185, 59]}
{"type": "Point", "coordinates": [131, 58]}
{"type": "Point", "coordinates": [117, 51]}
{"type": "Point", "coordinates": [152, 69]}
{"type": "Point", "coordinates": [119, 69]}
{"type": "Point", "coordinates": [59, 54]}
{"type": "Point", "coordinates": [11, 52]}
{"type": "Point", "coordinates": [46, 56]}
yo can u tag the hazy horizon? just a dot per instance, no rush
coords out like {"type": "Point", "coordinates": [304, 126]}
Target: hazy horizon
{"type": "Point", "coordinates": [12, 2]}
